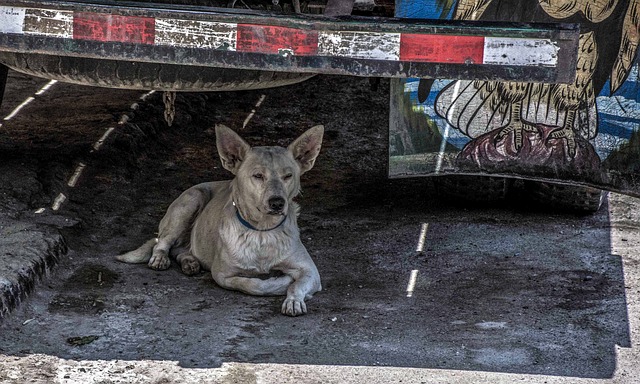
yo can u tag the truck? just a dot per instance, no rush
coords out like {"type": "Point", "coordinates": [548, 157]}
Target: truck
{"type": "Point", "coordinates": [501, 93]}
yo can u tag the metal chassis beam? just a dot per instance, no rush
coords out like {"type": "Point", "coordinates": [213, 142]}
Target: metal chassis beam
{"type": "Point", "coordinates": [564, 36]}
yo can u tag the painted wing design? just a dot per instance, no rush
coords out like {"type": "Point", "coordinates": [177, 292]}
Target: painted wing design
{"type": "Point", "coordinates": [593, 10]}
{"type": "Point", "coordinates": [473, 107]}
{"type": "Point", "coordinates": [470, 9]}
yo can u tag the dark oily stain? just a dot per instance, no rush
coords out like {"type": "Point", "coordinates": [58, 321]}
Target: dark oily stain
{"type": "Point", "coordinates": [587, 289]}
{"type": "Point", "coordinates": [91, 276]}
{"type": "Point", "coordinates": [252, 329]}
{"type": "Point", "coordinates": [568, 290]}
{"type": "Point", "coordinates": [79, 341]}
{"type": "Point", "coordinates": [82, 292]}
{"type": "Point", "coordinates": [90, 304]}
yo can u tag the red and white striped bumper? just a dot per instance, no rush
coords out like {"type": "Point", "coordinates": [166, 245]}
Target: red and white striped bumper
{"type": "Point", "coordinates": [331, 40]}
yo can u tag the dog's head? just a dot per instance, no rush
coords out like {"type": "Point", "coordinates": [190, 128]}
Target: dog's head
{"type": "Point", "coordinates": [267, 178]}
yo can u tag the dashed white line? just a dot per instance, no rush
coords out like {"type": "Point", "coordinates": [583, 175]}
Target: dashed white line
{"type": "Point", "coordinates": [422, 237]}
{"type": "Point", "coordinates": [253, 111]}
{"type": "Point", "coordinates": [412, 282]}
{"type": "Point", "coordinates": [18, 108]}
{"type": "Point", "coordinates": [57, 202]}
{"type": "Point", "coordinates": [76, 175]}
{"type": "Point", "coordinates": [28, 100]}
{"type": "Point", "coordinates": [46, 87]}
{"type": "Point", "coordinates": [105, 135]}
{"type": "Point", "coordinates": [144, 97]}
{"type": "Point", "coordinates": [73, 180]}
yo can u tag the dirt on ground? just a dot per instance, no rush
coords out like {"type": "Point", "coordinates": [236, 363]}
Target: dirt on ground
{"type": "Point", "coordinates": [508, 289]}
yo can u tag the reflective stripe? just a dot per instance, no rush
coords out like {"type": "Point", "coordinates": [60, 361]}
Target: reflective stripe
{"type": "Point", "coordinates": [516, 51]}
{"type": "Point", "coordinates": [267, 39]}
{"type": "Point", "coordinates": [360, 45]}
{"type": "Point", "coordinates": [196, 34]}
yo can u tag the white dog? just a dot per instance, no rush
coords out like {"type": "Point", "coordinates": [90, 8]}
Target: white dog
{"type": "Point", "coordinates": [242, 230]}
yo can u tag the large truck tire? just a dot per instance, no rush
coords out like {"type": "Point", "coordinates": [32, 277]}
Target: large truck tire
{"type": "Point", "coordinates": [467, 189]}
{"type": "Point", "coordinates": [145, 76]}
{"type": "Point", "coordinates": [573, 198]}
{"type": "Point", "coordinates": [480, 190]}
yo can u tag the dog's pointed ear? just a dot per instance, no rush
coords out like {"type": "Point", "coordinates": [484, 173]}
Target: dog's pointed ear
{"type": "Point", "coordinates": [306, 148]}
{"type": "Point", "coordinates": [231, 148]}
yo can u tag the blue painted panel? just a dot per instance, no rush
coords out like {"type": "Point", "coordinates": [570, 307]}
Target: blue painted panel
{"type": "Point", "coordinates": [428, 9]}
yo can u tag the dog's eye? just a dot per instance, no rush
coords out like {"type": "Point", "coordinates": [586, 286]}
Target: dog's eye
{"type": "Point", "coordinates": [258, 176]}
{"type": "Point", "coordinates": [287, 176]}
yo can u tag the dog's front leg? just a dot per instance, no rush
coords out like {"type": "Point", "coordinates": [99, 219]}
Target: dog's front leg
{"type": "Point", "coordinates": [274, 286]}
{"type": "Point", "coordinates": [303, 288]}
{"type": "Point", "coordinates": [306, 282]}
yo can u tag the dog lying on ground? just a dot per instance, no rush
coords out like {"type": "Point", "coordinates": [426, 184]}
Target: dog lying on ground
{"type": "Point", "coordinates": [243, 229]}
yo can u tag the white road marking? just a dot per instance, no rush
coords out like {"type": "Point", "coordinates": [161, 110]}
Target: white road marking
{"type": "Point", "coordinates": [144, 97]}
{"type": "Point", "coordinates": [253, 111]}
{"type": "Point", "coordinates": [57, 203]}
{"type": "Point", "coordinates": [46, 87]}
{"type": "Point", "coordinates": [412, 282]}
{"type": "Point", "coordinates": [28, 100]}
{"type": "Point", "coordinates": [76, 175]}
{"type": "Point", "coordinates": [17, 109]}
{"type": "Point", "coordinates": [73, 180]}
{"type": "Point", "coordinates": [422, 237]}
{"type": "Point", "coordinates": [101, 140]}
{"type": "Point", "coordinates": [61, 197]}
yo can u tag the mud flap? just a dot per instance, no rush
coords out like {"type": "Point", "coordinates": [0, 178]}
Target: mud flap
{"type": "Point", "coordinates": [570, 141]}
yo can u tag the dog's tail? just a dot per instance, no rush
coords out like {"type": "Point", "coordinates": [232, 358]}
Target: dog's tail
{"type": "Point", "coordinates": [140, 255]}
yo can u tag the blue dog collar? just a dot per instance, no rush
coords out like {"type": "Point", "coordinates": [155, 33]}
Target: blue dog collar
{"type": "Point", "coordinates": [248, 225]}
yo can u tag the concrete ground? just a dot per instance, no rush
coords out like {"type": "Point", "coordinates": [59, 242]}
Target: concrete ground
{"type": "Point", "coordinates": [505, 337]}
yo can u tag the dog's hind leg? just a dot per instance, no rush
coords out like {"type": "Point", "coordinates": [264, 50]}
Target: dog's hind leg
{"type": "Point", "coordinates": [174, 231]}
{"type": "Point", "coordinates": [188, 263]}
{"type": "Point", "coordinates": [160, 256]}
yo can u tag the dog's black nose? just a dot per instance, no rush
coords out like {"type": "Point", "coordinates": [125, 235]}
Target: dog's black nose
{"type": "Point", "coordinates": [276, 204]}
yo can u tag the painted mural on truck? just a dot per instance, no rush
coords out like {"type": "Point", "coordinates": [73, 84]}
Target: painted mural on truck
{"type": "Point", "coordinates": [584, 131]}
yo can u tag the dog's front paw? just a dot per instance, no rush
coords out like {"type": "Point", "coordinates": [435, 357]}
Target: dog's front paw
{"type": "Point", "coordinates": [294, 307]}
{"type": "Point", "coordinates": [159, 262]}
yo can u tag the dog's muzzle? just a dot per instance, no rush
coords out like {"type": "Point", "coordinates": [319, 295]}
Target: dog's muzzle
{"type": "Point", "coordinates": [276, 205]}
